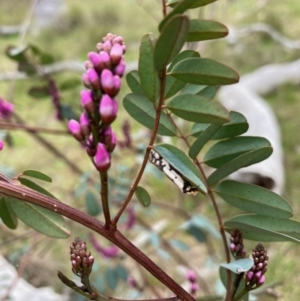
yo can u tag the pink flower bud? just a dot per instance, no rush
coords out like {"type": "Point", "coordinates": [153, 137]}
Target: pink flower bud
{"type": "Point", "coordinates": [117, 82]}
{"type": "Point", "coordinates": [261, 281]}
{"type": "Point", "coordinates": [108, 37]}
{"type": "Point", "coordinates": [85, 80]}
{"type": "Point", "coordinates": [99, 47]}
{"type": "Point", "coordinates": [191, 276]}
{"type": "Point", "coordinates": [6, 109]}
{"type": "Point", "coordinates": [107, 82]}
{"type": "Point", "coordinates": [94, 79]}
{"type": "Point", "coordinates": [116, 53]}
{"type": "Point", "coordinates": [102, 158]}
{"type": "Point", "coordinates": [85, 124]}
{"type": "Point", "coordinates": [108, 109]}
{"type": "Point", "coordinates": [95, 60]}
{"type": "Point", "coordinates": [75, 129]}
{"type": "Point", "coordinates": [109, 139]}
{"type": "Point", "coordinates": [117, 39]}
{"type": "Point", "coordinates": [249, 276]}
{"type": "Point", "coordinates": [194, 288]}
{"type": "Point", "coordinates": [106, 46]}
{"type": "Point", "coordinates": [104, 60]}
{"type": "Point", "coordinates": [120, 69]}
{"type": "Point", "coordinates": [1, 145]}
{"type": "Point", "coordinates": [88, 65]}
{"type": "Point", "coordinates": [87, 100]}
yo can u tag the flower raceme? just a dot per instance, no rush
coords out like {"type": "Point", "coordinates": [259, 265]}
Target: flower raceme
{"type": "Point", "coordinates": [102, 79]}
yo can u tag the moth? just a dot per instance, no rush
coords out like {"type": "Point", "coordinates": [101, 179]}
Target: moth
{"type": "Point", "coordinates": [172, 173]}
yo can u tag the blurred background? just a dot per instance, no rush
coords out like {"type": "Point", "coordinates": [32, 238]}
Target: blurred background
{"type": "Point", "coordinates": [263, 32]}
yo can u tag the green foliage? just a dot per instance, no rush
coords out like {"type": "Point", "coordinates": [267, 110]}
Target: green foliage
{"type": "Point", "coordinates": [181, 162]}
{"type": "Point", "coordinates": [143, 196]}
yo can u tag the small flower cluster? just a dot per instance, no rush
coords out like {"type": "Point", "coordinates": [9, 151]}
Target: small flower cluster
{"type": "Point", "coordinates": [6, 109]}
{"type": "Point", "coordinates": [236, 244]}
{"type": "Point", "coordinates": [255, 276]}
{"type": "Point", "coordinates": [104, 70]}
{"type": "Point", "coordinates": [82, 261]}
{"type": "Point", "coordinates": [192, 278]}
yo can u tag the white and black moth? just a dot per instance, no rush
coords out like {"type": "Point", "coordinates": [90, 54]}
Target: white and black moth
{"type": "Point", "coordinates": [173, 174]}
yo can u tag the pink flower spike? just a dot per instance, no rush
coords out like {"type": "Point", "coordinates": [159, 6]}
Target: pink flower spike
{"type": "Point", "coordinates": [87, 101]}
{"type": "Point", "coordinates": [108, 109]}
{"type": "Point", "coordinates": [120, 69]}
{"type": "Point", "coordinates": [107, 82]}
{"type": "Point", "coordinates": [75, 129]}
{"type": "Point", "coordinates": [1, 145]}
{"type": "Point", "coordinates": [85, 124]}
{"type": "Point", "coordinates": [102, 158]}
{"type": "Point", "coordinates": [116, 53]}
{"type": "Point", "coordinates": [94, 79]}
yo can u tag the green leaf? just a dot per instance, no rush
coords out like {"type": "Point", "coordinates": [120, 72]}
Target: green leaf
{"type": "Point", "coordinates": [197, 3]}
{"type": "Point", "coordinates": [122, 272]}
{"type": "Point", "coordinates": [239, 266]}
{"type": "Point", "coordinates": [253, 198]}
{"type": "Point", "coordinates": [7, 215]}
{"type": "Point", "coordinates": [148, 74]}
{"type": "Point", "coordinates": [201, 71]}
{"type": "Point", "coordinates": [178, 244]}
{"type": "Point", "coordinates": [36, 187]}
{"type": "Point", "coordinates": [244, 160]}
{"type": "Point", "coordinates": [67, 112]}
{"type": "Point", "coordinates": [174, 85]}
{"type": "Point", "coordinates": [143, 196]}
{"type": "Point", "coordinates": [226, 150]}
{"type": "Point", "coordinates": [170, 41]}
{"type": "Point", "coordinates": [112, 278]}
{"type": "Point", "coordinates": [39, 92]}
{"type": "Point", "coordinates": [40, 219]}
{"type": "Point", "coordinates": [180, 7]}
{"type": "Point", "coordinates": [265, 228]}
{"type": "Point", "coordinates": [204, 91]}
{"type": "Point", "coordinates": [141, 109]}
{"type": "Point", "coordinates": [70, 83]}
{"type": "Point", "coordinates": [181, 162]}
{"type": "Point", "coordinates": [198, 109]}
{"type": "Point", "coordinates": [201, 30]}
{"type": "Point", "coordinates": [202, 223]}
{"type": "Point", "coordinates": [203, 138]}
{"type": "Point", "coordinates": [236, 126]}
{"type": "Point", "coordinates": [133, 82]}
{"type": "Point", "coordinates": [92, 204]}
{"type": "Point", "coordinates": [17, 53]}
{"type": "Point", "coordinates": [37, 175]}
{"type": "Point", "coordinates": [242, 284]}
{"type": "Point", "coordinates": [182, 56]}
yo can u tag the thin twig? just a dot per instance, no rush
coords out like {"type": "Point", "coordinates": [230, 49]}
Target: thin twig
{"type": "Point", "coordinates": [32, 129]}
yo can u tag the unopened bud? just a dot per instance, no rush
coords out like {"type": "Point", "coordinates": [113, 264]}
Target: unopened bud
{"type": "Point", "coordinates": [102, 158]}
{"type": "Point", "coordinates": [116, 53]}
{"type": "Point", "coordinates": [108, 109]}
{"type": "Point", "coordinates": [85, 124]}
{"type": "Point", "coordinates": [75, 129]}
{"type": "Point", "coordinates": [94, 79]}
{"type": "Point", "coordinates": [87, 101]}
